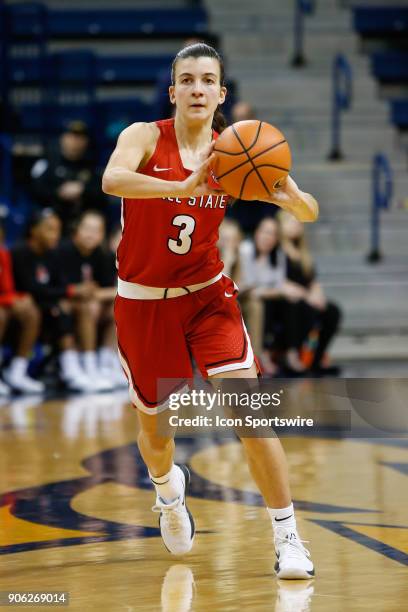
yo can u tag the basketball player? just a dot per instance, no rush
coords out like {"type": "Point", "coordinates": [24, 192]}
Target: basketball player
{"type": "Point", "coordinates": [173, 300]}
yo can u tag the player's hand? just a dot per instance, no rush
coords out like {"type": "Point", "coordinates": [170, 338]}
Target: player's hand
{"type": "Point", "coordinates": [301, 205]}
{"type": "Point", "coordinates": [197, 183]}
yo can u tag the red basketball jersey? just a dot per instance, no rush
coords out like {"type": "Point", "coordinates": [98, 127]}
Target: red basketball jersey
{"type": "Point", "coordinates": [170, 242]}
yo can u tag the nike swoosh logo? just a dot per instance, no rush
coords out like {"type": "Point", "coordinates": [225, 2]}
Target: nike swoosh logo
{"type": "Point", "coordinates": [157, 169]}
{"type": "Point", "coordinates": [228, 294]}
{"type": "Point", "coordinates": [284, 518]}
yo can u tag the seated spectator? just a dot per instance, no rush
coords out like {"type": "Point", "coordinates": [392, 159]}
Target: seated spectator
{"type": "Point", "coordinates": [69, 182]}
{"type": "Point", "coordinates": [263, 272]}
{"type": "Point", "coordinates": [230, 237]}
{"type": "Point", "coordinates": [315, 310]}
{"type": "Point", "coordinates": [21, 308]}
{"type": "Point", "coordinates": [248, 213]}
{"type": "Point", "coordinates": [86, 261]}
{"type": "Point", "coordinates": [38, 272]}
{"type": "Point", "coordinates": [269, 300]}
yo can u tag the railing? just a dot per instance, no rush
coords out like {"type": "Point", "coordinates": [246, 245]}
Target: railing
{"type": "Point", "coordinates": [382, 189]}
{"type": "Point", "coordinates": [302, 8]}
{"type": "Point", "coordinates": [342, 98]}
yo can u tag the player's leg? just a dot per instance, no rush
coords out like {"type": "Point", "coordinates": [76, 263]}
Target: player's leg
{"type": "Point", "coordinates": [268, 466]}
{"type": "Point", "coordinates": [222, 349]}
{"type": "Point", "coordinates": [155, 359]}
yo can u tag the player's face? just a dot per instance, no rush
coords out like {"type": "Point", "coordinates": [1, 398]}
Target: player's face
{"type": "Point", "coordinates": [90, 232]}
{"type": "Point", "coordinates": [266, 236]}
{"type": "Point", "coordinates": [197, 90]}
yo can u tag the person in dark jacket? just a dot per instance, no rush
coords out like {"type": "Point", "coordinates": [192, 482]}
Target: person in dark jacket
{"type": "Point", "coordinates": [315, 311]}
{"type": "Point", "coordinates": [38, 271]}
{"type": "Point", "coordinates": [70, 182]}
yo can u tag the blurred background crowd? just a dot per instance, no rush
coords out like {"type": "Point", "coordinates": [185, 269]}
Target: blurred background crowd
{"type": "Point", "coordinates": [72, 79]}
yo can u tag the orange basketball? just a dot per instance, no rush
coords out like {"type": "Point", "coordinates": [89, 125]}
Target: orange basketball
{"type": "Point", "coordinates": [251, 159]}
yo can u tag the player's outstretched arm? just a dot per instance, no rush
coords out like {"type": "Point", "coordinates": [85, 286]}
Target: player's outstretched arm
{"type": "Point", "coordinates": [135, 145]}
{"type": "Point", "coordinates": [301, 205]}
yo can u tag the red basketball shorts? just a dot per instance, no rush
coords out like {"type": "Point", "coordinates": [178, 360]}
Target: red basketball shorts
{"type": "Point", "coordinates": [157, 339]}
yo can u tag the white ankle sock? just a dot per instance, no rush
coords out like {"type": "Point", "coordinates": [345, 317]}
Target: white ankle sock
{"type": "Point", "coordinates": [282, 517]}
{"type": "Point", "coordinates": [170, 485]}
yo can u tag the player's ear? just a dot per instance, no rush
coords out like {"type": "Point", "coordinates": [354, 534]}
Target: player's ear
{"type": "Point", "coordinates": [223, 95]}
{"type": "Point", "coordinates": [172, 95]}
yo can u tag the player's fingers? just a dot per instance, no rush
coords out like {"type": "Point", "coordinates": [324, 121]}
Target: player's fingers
{"type": "Point", "coordinates": [208, 150]}
{"type": "Point", "coordinates": [205, 165]}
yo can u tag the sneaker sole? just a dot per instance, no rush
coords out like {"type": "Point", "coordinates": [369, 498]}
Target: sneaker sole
{"type": "Point", "coordinates": [186, 473]}
{"type": "Point", "coordinates": [293, 574]}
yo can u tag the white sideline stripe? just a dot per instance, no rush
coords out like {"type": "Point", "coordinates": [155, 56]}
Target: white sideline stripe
{"type": "Point", "coordinates": [136, 400]}
{"type": "Point", "coordinates": [229, 367]}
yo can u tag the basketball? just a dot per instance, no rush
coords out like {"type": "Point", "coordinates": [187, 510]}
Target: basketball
{"type": "Point", "coordinates": [251, 159]}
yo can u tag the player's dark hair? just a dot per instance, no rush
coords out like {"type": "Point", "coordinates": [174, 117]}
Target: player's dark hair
{"type": "Point", "coordinates": [201, 49]}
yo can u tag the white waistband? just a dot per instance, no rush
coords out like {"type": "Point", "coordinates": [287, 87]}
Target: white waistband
{"type": "Point", "coordinates": [134, 291]}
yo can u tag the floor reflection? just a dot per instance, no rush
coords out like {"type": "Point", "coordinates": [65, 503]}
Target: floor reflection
{"type": "Point", "coordinates": [177, 589]}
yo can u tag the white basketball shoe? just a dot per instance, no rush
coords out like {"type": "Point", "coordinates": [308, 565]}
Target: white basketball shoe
{"type": "Point", "coordinates": [175, 521]}
{"type": "Point", "coordinates": [292, 558]}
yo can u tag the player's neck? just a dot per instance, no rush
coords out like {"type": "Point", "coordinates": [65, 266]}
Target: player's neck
{"type": "Point", "coordinates": [193, 136]}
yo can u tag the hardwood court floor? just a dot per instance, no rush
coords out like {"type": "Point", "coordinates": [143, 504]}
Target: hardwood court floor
{"type": "Point", "coordinates": [75, 515]}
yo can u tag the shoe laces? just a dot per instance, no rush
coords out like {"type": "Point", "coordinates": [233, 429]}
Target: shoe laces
{"type": "Point", "coordinates": [171, 514]}
{"type": "Point", "coordinates": [294, 548]}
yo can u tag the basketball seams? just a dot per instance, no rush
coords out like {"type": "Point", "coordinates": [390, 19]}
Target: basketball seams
{"type": "Point", "coordinates": [245, 149]}
{"type": "Point", "coordinates": [250, 159]}
{"type": "Point", "coordinates": [252, 169]}
{"type": "Point", "coordinates": [254, 157]}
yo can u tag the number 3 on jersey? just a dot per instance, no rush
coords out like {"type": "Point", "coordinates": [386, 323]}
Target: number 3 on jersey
{"type": "Point", "coordinates": [182, 245]}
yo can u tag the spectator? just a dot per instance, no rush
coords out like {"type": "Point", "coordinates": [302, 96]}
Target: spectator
{"type": "Point", "coordinates": [314, 310]}
{"type": "Point", "coordinates": [38, 271]}
{"type": "Point", "coordinates": [270, 300]}
{"type": "Point", "coordinates": [248, 213]}
{"type": "Point", "coordinates": [86, 261]}
{"type": "Point", "coordinates": [21, 308]}
{"type": "Point", "coordinates": [242, 111]}
{"type": "Point", "coordinates": [69, 183]}
{"type": "Point", "coordinates": [263, 272]}
{"type": "Point", "coordinates": [230, 237]}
